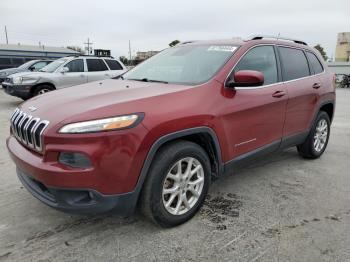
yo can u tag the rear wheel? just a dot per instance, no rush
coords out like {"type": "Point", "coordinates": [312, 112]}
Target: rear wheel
{"type": "Point", "coordinates": [42, 89]}
{"type": "Point", "coordinates": [177, 184]}
{"type": "Point", "coordinates": [317, 140]}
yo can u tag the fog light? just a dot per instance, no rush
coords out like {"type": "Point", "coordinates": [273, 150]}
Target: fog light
{"type": "Point", "coordinates": [76, 160]}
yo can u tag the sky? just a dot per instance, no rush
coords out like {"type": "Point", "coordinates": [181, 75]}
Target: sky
{"type": "Point", "coordinates": [153, 24]}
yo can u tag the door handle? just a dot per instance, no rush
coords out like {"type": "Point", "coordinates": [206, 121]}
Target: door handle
{"type": "Point", "coordinates": [81, 75]}
{"type": "Point", "coordinates": [106, 74]}
{"type": "Point", "coordinates": [316, 85]}
{"type": "Point", "coordinates": [278, 94]}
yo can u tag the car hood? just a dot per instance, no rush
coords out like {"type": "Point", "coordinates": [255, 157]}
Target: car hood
{"type": "Point", "coordinates": [10, 71]}
{"type": "Point", "coordinates": [100, 99]}
{"type": "Point", "coordinates": [30, 74]}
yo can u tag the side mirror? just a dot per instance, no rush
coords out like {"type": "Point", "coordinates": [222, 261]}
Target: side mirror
{"type": "Point", "coordinates": [246, 78]}
{"type": "Point", "coordinates": [64, 70]}
{"type": "Point", "coordinates": [31, 68]}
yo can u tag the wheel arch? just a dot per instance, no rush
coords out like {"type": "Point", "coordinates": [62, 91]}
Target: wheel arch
{"type": "Point", "coordinates": [199, 135]}
{"type": "Point", "coordinates": [328, 108]}
{"type": "Point", "coordinates": [34, 87]}
{"type": "Point", "coordinates": [323, 106]}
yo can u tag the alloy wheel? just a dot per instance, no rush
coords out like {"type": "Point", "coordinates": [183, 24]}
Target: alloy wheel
{"type": "Point", "coordinates": [183, 186]}
{"type": "Point", "coordinates": [321, 135]}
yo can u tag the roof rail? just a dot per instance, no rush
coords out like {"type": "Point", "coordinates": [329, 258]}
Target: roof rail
{"type": "Point", "coordinates": [90, 56]}
{"type": "Point", "coordinates": [187, 42]}
{"type": "Point", "coordinates": [259, 37]}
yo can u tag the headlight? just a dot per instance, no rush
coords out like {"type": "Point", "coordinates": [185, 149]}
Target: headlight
{"type": "Point", "coordinates": [24, 80]}
{"type": "Point", "coordinates": [100, 125]}
{"type": "Point", "coordinates": [17, 80]}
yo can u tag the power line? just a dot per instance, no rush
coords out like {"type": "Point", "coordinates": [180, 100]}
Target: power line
{"type": "Point", "coordinates": [88, 46]}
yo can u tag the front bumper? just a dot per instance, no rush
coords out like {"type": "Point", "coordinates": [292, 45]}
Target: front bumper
{"type": "Point", "coordinates": [109, 185]}
{"type": "Point", "coordinates": [78, 201]}
{"type": "Point", "coordinates": [22, 91]}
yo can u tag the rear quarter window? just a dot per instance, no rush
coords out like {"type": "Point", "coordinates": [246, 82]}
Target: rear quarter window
{"type": "Point", "coordinates": [113, 65]}
{"type": "Point", "coordinates": [294, 63]}
{"type": "Point", "coordinates": [315, 64]}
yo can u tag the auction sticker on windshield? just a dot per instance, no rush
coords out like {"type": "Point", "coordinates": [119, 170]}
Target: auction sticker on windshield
{"type": "Point", "coordinates": [222, 48]}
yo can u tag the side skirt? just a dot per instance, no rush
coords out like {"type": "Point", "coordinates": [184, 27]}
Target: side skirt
{"type": "Point", "coordinates": [246, 158]}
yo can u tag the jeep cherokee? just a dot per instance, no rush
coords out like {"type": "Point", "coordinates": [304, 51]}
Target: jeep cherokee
{"type": "Point", "coordinates": [156, 136]}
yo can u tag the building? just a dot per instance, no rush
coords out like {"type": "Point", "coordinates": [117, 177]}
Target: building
{"type": "Point", "coordinates": [141, 56]}
{"type": "Point", "coordinates": [15, 55]}
{"type": "Point", "coordinates": [342, 51]}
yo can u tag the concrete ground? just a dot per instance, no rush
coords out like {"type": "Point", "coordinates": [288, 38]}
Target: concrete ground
{"type": "Point", "coordinates": [281, 208]}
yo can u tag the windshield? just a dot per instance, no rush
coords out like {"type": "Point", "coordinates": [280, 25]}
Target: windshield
{"type": "Point", "coordinates": [53, 66]}
{"type": "Point", "coordinates": [187, 64]}
{"type": "Point", "coordinates": [26, 65]}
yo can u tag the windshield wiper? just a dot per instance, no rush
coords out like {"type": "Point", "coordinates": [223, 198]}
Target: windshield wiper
{"type": "Point", "coordinates": [119, 77]}
{"type": "Point", "coordinates": [149, 80]}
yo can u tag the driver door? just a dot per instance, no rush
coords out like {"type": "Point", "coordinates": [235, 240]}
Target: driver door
{"type": "Point", "coordinates": [256, 115]}
{"type": "Point", "coordinates": [75, 76]}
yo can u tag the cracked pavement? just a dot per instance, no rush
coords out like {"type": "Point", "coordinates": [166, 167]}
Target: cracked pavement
{"type": "Point", "coordinates": [279, 208]}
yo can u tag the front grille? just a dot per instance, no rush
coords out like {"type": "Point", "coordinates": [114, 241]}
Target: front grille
{"type": "Point", "coordinates": [28, 129]}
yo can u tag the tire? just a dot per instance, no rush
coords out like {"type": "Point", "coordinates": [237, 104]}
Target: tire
{"type": "Point", "coordinates": [310, 148]}
{"type": "Point", "coordinates": [161, 176]}
{"type": "Point", "coordinates": [39, 90]}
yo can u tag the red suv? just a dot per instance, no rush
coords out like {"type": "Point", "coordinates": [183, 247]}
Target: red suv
{"type": "Point", "coordinates": [157, 136]}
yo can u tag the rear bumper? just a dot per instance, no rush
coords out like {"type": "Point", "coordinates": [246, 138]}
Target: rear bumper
{"type": "Point", "coordinates": [22, 91]}
{"type": "Point", "coordinates": [78, 201]}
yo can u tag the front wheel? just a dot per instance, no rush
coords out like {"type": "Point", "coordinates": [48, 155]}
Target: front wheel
{"type": "Point", "coordinates": [42, 89]}
{"type": "Point", "coordinates": [177, 184]}
{"type": "Point", "coordinates": [317, 140]}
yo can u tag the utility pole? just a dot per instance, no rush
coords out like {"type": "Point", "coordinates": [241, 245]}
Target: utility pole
{"type": "Point", "coordinates": [7, 40]}
{"type": "Point", "coordinates": [129, 51]}
{"type": "Point", "coordinates": [88, 45]}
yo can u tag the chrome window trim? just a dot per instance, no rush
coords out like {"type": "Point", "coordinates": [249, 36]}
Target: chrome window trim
{"type": "Point", "coordinates": [277, 83]}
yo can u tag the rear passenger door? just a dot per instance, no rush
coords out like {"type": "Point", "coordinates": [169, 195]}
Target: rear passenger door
{"type": "Point", "coordinates": [115, 67]}
{"type": "Point", "coordinates": [97, 69]}
{"type": "Point", "coordinates": [301, 90]}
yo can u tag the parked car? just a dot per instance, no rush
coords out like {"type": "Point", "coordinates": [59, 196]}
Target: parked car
{"type": "Point", "coordinates": [34, 65]}
{"type": "Point", "coordinates": [64, 72]}
{"type": "Point", "coordinates": [159, 134]}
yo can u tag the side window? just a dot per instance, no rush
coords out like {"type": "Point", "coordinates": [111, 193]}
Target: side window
{"type": "Point", "coordinates": [39, 65]}
{"type": "Point", "coordinates": [262, 59]}
{"type": "Point", "coordinates": [114, 65]}
{"type": "Point", "coordinates": [315, 63]}
{"type": "Point", "coordinates": [75, 66]}
{"type": "Point", "coordinates": [96, 65]}
{"type": "Point", "coordinates": [294, 63]}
